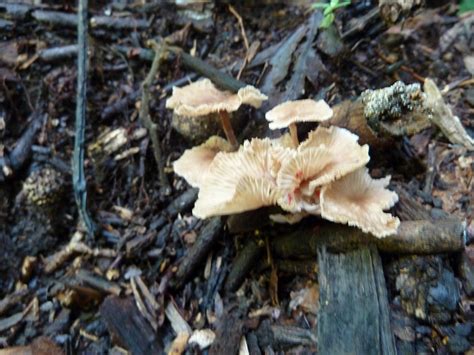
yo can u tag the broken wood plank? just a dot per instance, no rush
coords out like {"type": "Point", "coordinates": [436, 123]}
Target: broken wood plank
{"type": "Point", "coordinates": [354, 316]}
{"type": "Point", "coordinates": [129, 328]}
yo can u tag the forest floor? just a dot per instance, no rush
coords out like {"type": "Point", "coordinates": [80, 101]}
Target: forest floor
{"type": "Point", "coordinates": [154, 271]}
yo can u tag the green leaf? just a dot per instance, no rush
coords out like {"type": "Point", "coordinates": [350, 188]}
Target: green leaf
{"type": "Point", "coordinates": [465, 6]}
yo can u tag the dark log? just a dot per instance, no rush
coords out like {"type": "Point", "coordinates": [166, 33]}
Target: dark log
{"type": "Point", "coordinates": [22, 151]}
{"type": "Point", "coordinates": [413, 237]}
{"type": "Point", "coordinates": [408, 208]}
{"type": "Point", "coordinates": [180, 204]}
{"type": "Point", "coordinates": [243, 263]}
{"type": "Point", "coordinates": [354, 316]}
{"type": "Point", "coordinates": [229, 331]}
{"type": "Point", "coordinates": [198, 252]}
{"type": "Point", "coordinates": [88, 278]}
{"type": "Point", "coordinates": [129, 328]}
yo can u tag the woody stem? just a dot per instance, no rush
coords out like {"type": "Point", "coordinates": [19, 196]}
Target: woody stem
{"type": "Point", "coordinates": [227, 127]}
{"type": "Point", "coordinates": [294, 134]}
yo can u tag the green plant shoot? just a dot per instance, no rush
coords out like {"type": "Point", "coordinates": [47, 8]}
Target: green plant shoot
{"type": "Point", "coordinates": [328, 10]}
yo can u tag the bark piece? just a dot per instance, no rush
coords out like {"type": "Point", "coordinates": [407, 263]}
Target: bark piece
{"type": "Point", "coordinates": [128, 327]}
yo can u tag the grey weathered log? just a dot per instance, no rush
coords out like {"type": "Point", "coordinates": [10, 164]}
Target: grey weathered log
{"type": "Point", "coordinates": [354, 316]}
{"type": "Point", "coordinates": [58, 53]}
{"type": "Point", "coordinates": [413, 237]}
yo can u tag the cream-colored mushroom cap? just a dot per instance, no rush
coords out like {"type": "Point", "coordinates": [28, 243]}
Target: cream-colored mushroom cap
{"type": "Point", "coordinates": [238, 181]}
{"type": "Point", "coordinates": [202, 97]}
{"type": "Point", "coordinates": [359, 200]}
{"type": "Point", "coordinates": [195, 162]}
{"type": "Point", "coordinates": [327, 155]}
{"type": "Point", "coordinates": [289, 112]}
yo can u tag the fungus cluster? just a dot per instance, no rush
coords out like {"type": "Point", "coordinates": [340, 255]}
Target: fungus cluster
{"type": "Point", "coordinates": [324, 175]}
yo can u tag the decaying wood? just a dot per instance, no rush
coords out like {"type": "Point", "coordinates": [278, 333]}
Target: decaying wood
{"type": "Point", "coordinates": [392, 10]}
{"type": "Point", "coordinates": [408, 208]}
{"type": "Point", "coordinates": [198, 252]}
{"type": "Point", "coordinates": [12, 299]}
{"type": "Point", "coordinates": [243, 263]}
{"type": "Point", "coordinates": [443, 117]}
{"type": "Point", "coordinates": [13, 162]}
{"type": "Point", "coordinates": [64, 19]}
{"type": "Point", "coordinates": [99, 283]}
{"type": "Point", "coordinates": [398, 110]}
{"type": "Point", "coordinates": [180, 204]}
{"type": "Point", "coordinates": [129, 328]}
{"type": "Point", "coordinates": [229, 332]}
{"type": "Point", "coordinates": [413, 237]}
{"type": "Point", "coordinates": [354, 316]}
{"type": "Point", "coordinates": [39, 346]}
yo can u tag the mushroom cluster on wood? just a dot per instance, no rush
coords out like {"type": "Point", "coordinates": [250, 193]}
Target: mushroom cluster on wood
{"type": "Point", "coordinates": [325, 175]}
{"type": "Point", "coordinates": [202, 98]}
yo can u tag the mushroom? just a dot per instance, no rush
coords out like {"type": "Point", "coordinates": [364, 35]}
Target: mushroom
{"type": "Point", "coordinates": [238, 181]}
{"type": "Point", "coordinates": [290, 112]}
{"type": "Point", "coordinates": [202, 97]}
{"type": "Point", "coordinates": [195, 162]}
{"type": "Point", "coordinates": [359, 200]}
{"type": "Point", "coordinates": [327, 155]}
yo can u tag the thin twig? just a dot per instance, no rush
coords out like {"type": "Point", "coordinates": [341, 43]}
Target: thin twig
{"type": "Point", "coordinates": [241, 24]}
{"type": "Point", "coordinates": [78, 175]}
{"type": "Point", "coordinates": [145, 116]}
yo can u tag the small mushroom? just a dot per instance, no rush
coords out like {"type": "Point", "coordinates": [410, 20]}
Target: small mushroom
{"type": "Point", "coordinates": [238, 181]}
{"type": "Point", "coordinates": [327, 155]}
{"type": "Point", "coordinates": [359, 200]}
{"type": "Point", "coordinates": [195, 162]}
{"type": "Point", "coordinates": [290, 112]}
{"type": "Point", "coordinates": [202, 97]}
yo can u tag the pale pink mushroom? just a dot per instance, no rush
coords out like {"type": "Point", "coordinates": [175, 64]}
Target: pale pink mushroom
{"type": "Point", "coordinates": [195, 162]}
{"type": "Point", "coordinates": [288, 113]}
{"type": "Point", "coordinates": [202, 97]}
{"type": "Point", "coordinates": [358, 200]}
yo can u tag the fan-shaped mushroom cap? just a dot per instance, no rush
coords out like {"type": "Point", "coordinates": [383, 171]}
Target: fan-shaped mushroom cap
{"type": "Point", "coordinates": [195, 162]}
{"type": "Point", "coordinates": [202, 97]}
{"type": "Point", "coordinates": [359, 200]}
{"type": "Point", "coordinates": [327, 155]}
{"type": "Point", "coordinates": [289, 112]}
{"type": "Point", "coordinates": [238, 181]}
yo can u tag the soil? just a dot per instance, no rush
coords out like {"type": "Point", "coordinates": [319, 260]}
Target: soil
{"type": "Point", "coordinates": [65, 283]}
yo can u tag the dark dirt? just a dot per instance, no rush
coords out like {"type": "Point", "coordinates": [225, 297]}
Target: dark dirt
{"type": "Point", "coordinates": [144, 239]}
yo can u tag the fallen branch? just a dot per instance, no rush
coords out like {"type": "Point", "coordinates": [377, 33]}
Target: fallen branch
{"type": "Point", "coordinates": [20, 12]}
{"type": "Point", "coordinates": [145, 119]}
{"type": "Point", "coordinates": [221, 79]}
{"type": "Point", "coordinates": [243, 263]}
{"type": "Point", "coordinates": [198, 252]}
{"type": "Point", "coordinates": [22, 151]}
{"type": "Point", "coordinates": [413, 237]}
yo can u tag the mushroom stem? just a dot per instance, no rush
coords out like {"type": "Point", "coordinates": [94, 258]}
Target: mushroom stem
{"type": "Point", "coordinates": [294, 134]}
{"type": "Point", "coordinates": [227, 127]}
